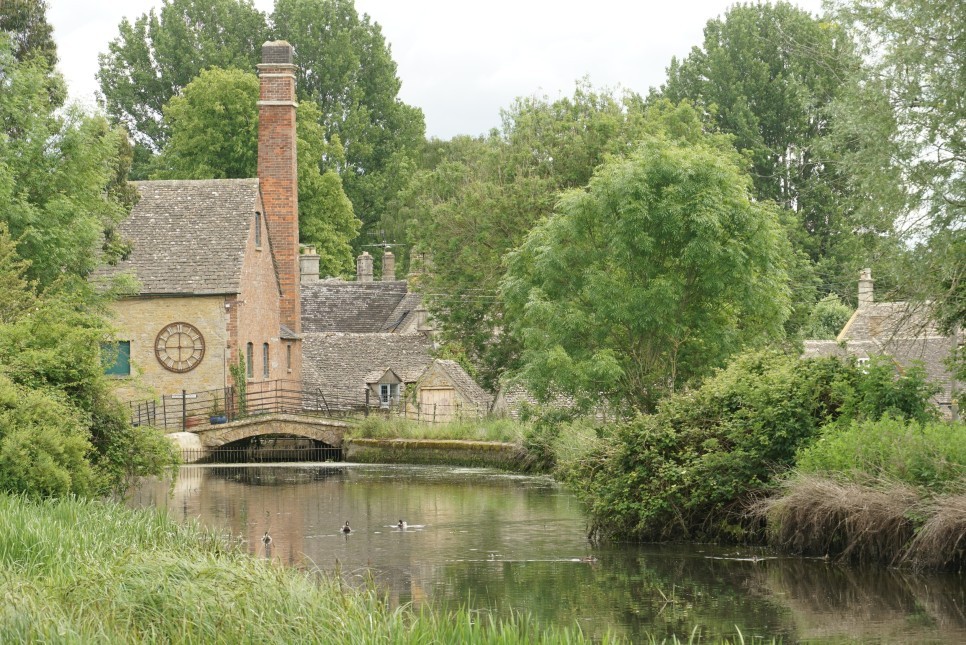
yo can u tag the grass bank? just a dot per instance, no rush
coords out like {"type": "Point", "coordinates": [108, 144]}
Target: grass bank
{"type": "Point", "coordinates": [94, 572]}
{"type": "Point", "coordinates": [889, 491]}
{"type": "Point", "coordinates": [393, 427]}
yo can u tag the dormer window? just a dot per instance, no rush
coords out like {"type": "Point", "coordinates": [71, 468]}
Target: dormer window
{"type": "Point", "coordinates": [258, 230]}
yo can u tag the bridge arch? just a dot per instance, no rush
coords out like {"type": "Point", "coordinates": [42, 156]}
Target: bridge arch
{"type": "Point", "coordinates": [328, 431]}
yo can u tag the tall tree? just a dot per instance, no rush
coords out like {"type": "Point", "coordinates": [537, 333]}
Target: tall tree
{"type": "Point", "coordinates": [25, 23]}
{"type": "Point", "coordinates": [346, 67]}
{"type": "Point", "coordinates": [213, 125]}
{"type": "Point", "coordinates": [769, 74]}
{"type": "Point", "coordinates": [154, 57]}
{"type": "Point", "coordinates": [481, 196]}
{"type": "Point", "coordinates": [907, 110]}
{"type": "Point", "coordinates": [344, 64]}
{"type": "Point", "coordinates": [650, 277]}
{"type": "Point", "coordinates": [56, 167]}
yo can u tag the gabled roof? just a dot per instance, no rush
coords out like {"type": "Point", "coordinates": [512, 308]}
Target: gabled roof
{"type": "Point", "coordinates": [188, 237]}
{"type": "Point", "coordinates": [356, 307]}
{"type": "Point", "coordinates": [900, 330]}
{"type": "Point", "coordinates": [882, 321]}
{"type": "Point", "coordinates": [464, 383]}
{"type": "Point", "coordinates": [375, 376]}
{"type": "Point", "coordinates": [340, 363]}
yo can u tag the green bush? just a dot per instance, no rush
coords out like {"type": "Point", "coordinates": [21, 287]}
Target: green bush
{"type": "Point", "coordinates": [43, 444]}
{"type": "Point", "coordinates": [928, 454]}
{"type": "Point", "coordinates": [59, 410]}
{"type": "Point", "coordinates": [690, 470]}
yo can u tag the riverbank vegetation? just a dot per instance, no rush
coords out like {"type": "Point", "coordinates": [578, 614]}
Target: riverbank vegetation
{"type": "Point", "coordinates": [87, 571]}
{"type": "Point", "coordinates": [395, 427]}
{"type": "Point", "coordinates": [694, 469]}
{"type": "Point", "coordinates": [890, 491]}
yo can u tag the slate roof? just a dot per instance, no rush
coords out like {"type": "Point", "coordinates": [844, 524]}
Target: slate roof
{"type": "Point", "coordinates": [931, 352]}
{"type": "Point", "coordinates": [357, 307]}
{"type": "Point", "coordinates": [339, 363]}
{"type": "Point", "coordinates": [188, 237]}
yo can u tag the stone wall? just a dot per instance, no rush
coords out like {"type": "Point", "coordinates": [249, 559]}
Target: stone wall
{"type": "Point", "coordinates": [141, 319]}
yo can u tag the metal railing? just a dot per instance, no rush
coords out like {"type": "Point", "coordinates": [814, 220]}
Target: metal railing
{"type": "Point", "coordinates": [186, 410]}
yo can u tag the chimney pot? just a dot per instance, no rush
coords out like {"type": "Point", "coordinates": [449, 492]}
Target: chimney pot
{"type": "Point", "coordinates": [309, 265]}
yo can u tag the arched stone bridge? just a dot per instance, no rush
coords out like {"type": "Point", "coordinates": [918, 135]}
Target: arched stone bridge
{"type": "Point", "coordinates": [198, 442]}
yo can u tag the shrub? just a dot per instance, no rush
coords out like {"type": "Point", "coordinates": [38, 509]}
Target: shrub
{"type": "Point", "coordinates": [687, 471]}
{"type": "Point", "coordinates": [928, 454]}
{"type": "Point", "coordinates": [43, 444]}
{"type": "Point", "coordinates": [690, 470]}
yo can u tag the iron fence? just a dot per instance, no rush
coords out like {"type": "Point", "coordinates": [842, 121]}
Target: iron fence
{"type": "Point", "coordinates": [186, 410]}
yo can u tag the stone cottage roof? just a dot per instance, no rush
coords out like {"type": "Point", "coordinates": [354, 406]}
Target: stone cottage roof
{"type": "Point", "coordinates": [188, 237]}
{"type": "Point", "coordinates": [357, 307]}
{"type": "Point", "coordinates": [465, 384]}
{"type": "Point", "coordinates": [931, 352]}
{"type": "Point", "coordinates": [339, 363]}
{"type": "Point", "coordinates": [901, 330]}
{"type": "Point", "coordinates": [882, 321]}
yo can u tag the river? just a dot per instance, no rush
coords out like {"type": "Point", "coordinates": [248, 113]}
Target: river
{"type": "Point", "coordinates": [501, 543]}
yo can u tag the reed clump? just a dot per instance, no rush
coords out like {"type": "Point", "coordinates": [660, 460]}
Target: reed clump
{"type": "Point", "coordinates": [941, 541]}
{"type": "Point", "coordinates": [93, 572]}
{"type": "Point", "coordinates": [823, 516]}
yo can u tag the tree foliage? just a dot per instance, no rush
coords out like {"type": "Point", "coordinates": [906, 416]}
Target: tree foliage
{"type": "Point", "coordinates": [158, 54]}
{"type": "Point", "coordinates": [478, 198]}
{"type": "Point", "coordinates": [61, 429]}
{"type": "Point", "coordinates": [771, 75]}
{"type": "Point", "coordinates": [344, 67]}
{"type": "Point", "coordinates": [649, 278]}
{"type": "Point", "coordinates": [32, 37]}
{"type": "Point", "coordinates": [907, 110]}
{"type": "Point", "coordinates": [213, 125]}
{"type": "Point", "coordinates": [55, 170]}
{"type": "Point", "coordinates": [350, 74]}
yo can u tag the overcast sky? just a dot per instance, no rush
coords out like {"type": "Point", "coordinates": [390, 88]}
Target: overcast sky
{"type": "Point", "coordinates": [462, 61]}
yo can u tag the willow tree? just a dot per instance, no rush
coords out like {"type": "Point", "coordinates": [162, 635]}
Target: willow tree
{"type": "Point", "coordinates": [650, 277]}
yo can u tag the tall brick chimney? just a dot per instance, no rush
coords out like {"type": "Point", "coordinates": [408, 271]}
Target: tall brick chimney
{"type": "Point", "coordinates": [277, 171]}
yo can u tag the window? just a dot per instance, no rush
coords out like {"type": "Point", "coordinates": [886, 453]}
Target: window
{"type": "Point", "coordinates": [388, 393]}
{"type": "Point", "coordinates": [116, 358]}
{"type": "Point", "coordinates": [258, 230]}
{"type": "Point", "coordinates": [250, 360]}
{"type": "Point", "coordinates": [265, 371]}
{"type": "Point", "coordinates": [288, 357]}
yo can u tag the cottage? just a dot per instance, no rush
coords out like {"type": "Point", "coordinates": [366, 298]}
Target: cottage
{"type": "Point", "coordinates": [902, 331]}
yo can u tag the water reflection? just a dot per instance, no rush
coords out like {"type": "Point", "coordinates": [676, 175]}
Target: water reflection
{"type": "Point", "coordinates": [501, 543]}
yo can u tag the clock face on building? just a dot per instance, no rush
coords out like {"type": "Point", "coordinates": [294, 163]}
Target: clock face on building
{"type": "Point", "coordinates": [179, 347]}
